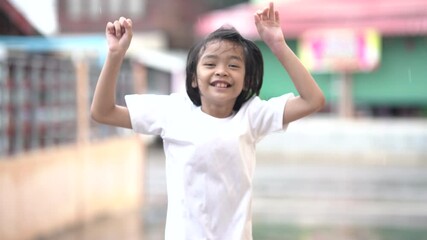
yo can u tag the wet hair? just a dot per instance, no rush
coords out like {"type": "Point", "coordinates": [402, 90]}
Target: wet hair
{"type": "Point", "coordinates": [254, 65]}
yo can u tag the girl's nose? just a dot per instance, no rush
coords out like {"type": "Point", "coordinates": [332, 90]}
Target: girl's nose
{"type": "Point", "coordinates": [221, 72]}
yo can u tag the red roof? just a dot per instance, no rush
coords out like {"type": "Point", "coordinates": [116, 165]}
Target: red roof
{"type": "Point", "coordinates": [388, 17]}
{"type": "Point", "coordinates": [16, 23]}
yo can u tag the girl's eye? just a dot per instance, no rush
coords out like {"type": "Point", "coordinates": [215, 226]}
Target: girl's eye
{"type": "Point", "coordinates": [234, 66]}
{"type": "Point", "coordinates": [209, 64]}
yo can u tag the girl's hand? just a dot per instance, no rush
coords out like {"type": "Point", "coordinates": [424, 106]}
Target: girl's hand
{"type": "Point", "coordinates": [119, 35]}
{"type": "Point", "coordinates": [267, 22]}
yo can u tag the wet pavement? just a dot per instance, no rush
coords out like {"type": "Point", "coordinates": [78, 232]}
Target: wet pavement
{"type": "Point", "coordinates": [295, 200]}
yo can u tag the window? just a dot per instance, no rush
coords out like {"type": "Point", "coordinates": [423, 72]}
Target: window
{"type": "Point", "coordinates": [94, 9]}
{"type": "Point", "coordinates": [74, 8]}
{"type": "Point", "coordinates": [136, 8]}
{"type": "Point", "coordinates": [128, 8]}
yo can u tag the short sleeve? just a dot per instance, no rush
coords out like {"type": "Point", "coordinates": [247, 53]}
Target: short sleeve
{"type": "Point", "coordinates": [266, 116]}
{"type": "Point", "coordinates": [149, 112]}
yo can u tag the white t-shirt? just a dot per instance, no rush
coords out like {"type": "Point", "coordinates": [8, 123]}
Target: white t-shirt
{"type": "Point", "coordinates": [209, 161]}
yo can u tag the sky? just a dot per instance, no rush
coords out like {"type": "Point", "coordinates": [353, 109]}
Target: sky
{"type": "Point", "coordinates": [41, 13]}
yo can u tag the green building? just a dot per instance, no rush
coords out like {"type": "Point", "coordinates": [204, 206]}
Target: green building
{"type": "Point", "coordinates": [397, 87]}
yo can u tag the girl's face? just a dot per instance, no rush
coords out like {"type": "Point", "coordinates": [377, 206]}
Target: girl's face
{"type": "Point", "coordinates": [220, 75]}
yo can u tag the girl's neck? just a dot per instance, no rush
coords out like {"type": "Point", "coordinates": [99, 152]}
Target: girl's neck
{"type": "Point", "coordinates": [217, 111]}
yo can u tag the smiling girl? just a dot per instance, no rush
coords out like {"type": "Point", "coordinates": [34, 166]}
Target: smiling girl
{"type": "Point", "coordinates": [210, 133]}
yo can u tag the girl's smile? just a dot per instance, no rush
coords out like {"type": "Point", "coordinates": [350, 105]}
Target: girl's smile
{"type": "Point", "coordinates": [220, 84]}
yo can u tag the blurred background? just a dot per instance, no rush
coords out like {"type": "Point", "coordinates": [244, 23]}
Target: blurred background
{"type": "Point", "coordinates": [356, 170]}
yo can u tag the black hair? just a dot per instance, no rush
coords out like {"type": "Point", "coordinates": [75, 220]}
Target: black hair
{"type": "Point", "coordinates": [254, 65]}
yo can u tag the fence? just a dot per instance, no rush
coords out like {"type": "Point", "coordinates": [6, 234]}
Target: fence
{"type": "Point", "coordinates": [45, 99]}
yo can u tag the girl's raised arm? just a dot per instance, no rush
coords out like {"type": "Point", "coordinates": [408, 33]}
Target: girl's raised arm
{"type": "Point", "coordinates": [104, 109]}
{"type": "Point", "coordinates": [311, 98]}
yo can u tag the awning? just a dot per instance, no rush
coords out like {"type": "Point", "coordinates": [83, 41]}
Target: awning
{"type": "Point", "coordinates": [388, 17]}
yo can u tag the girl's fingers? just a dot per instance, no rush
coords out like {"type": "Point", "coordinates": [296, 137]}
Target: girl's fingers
{"type": "Point", "coordinates": [276, 16]}
{"type": "Point", "coordinates": [123, 23]}
{"type": "Point", "coordinates": [257, 17]}
{"type": "Point", "coordinates": [265, 14]}
{"type": "Point", "coordinates": [117, 28]}
{"type": "Point", "coordinates": [268, 13]}
{"type": "Point", "coordinates": [122, 20]}
{"type": "Point", "coordinates": [271, 14]}
{"type": "Point", "coordinates": [110, 28]}
{"type": "Point", "coordinates": [127, 24]}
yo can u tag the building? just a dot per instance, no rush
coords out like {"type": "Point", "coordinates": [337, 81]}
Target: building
{"type": "Point", "coordinates": [395, 86]}
{"type": "Point", "coordinates": [174, 18]}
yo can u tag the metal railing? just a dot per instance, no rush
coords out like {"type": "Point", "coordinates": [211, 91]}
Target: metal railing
{"type": "Point", "coordinates": [38, 100]}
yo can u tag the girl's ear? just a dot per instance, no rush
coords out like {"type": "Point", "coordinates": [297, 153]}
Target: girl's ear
{"type": "Point", "coordinates": [194, 83]}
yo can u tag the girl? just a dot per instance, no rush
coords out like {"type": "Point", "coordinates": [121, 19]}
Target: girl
{"type": "Point", "coordinates": [210, 134]}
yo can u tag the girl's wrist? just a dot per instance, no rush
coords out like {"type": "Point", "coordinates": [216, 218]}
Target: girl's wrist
{"type": "Point", "coordinates": [279, 47]}
{"type": "Point", "coordinates": [116, 54]}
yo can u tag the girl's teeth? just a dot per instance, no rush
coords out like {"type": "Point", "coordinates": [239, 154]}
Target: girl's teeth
{"type": "Point", "coordinates": [221, 85]}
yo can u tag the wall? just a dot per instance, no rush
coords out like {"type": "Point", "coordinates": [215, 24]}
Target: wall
{"type": "Point", "coordinates": [46, 190]}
